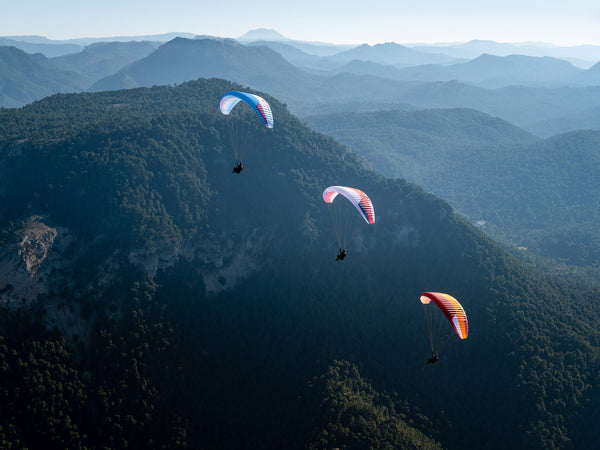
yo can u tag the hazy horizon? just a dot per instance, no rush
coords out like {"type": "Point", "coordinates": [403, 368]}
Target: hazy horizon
{"type": "Point", "coordinates": [43, 38]}
{"type": "Point", "coordinates": [351, 22]}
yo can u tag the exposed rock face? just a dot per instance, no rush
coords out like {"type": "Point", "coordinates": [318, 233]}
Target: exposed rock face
{"type": "Point", "coordinates": [42, 267]}
{"type": "Point", "coordinates": [223, 263]}
{"type": "Point", "coordinates": [160, 255]}
{"type": "Point", "coordinates": [220, 260]}
{"type": "Point", "coordinates": [37, 266]}
{"type": "Point", "coordinates": [26, 267]}
{"type": "Point", "coordinates": [37, 242]}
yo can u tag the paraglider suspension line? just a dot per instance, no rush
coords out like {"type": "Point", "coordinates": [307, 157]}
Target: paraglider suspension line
{"type": "Point", "coordinates": [253, 143]}
{"type": "Point", "coordinates": [233, 145]}
{"type": "Point", "coordinates": [335, 229]}
{"type": "Point", "coordinates": [428, 329]}
{"type": "Point", "coordinates": [441, 334]}
{"type": "Point", "coordinates": [357, 228]}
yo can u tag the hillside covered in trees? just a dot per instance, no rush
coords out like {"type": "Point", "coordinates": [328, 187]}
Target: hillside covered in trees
{"type": "Point", "coordinates": [152, 299]}
{"type": "Point", "coordinates": [535, 195]}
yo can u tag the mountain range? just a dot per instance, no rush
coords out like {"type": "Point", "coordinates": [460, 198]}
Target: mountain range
{"type": "Point", "coordinates": [45, 47]}
{"type": "Point", "coordinates": [52, 47]}
{"type": "Point", "coordinates": [581, 56]}
{"type": "Point", "coordinates": [152, 298]}
{"type": "Point", "coordinates": [486, 71]}
{"type": "Point", "coordinates": [267, 70]}
{"type": "Point", "coordinates": [499, 71]}
{"type": "Point", "coordinates": [390, 54]}
{"type": "Point", "coordinates": [182, 60]}
{"type": "Point", "coordinates": [538, 104]}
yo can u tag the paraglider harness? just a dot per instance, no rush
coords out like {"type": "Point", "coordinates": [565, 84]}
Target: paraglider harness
{"type": "Point", "coordinates": [433, 359]}
{"type": "Point", "coordinates": [238, 168]}
{"type": "Point", "coordinates": [341, 256]}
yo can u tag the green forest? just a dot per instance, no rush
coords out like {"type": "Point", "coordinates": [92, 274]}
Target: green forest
{"type": "Point", "coordinates": [536, 196]}
{"type": "Point", "coordinates": [183, 306]}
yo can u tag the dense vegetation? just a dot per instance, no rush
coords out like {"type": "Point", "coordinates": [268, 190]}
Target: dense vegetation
{"type": "Point", "coordinates": [537, 195]}
{"type": "Point", "coordinates": [196, 308]}
{"type": "Point", "coordinates": [352, 415]}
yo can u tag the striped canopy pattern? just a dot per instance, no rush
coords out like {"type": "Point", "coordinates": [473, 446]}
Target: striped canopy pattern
{"type": "Point", "coordinates": [452, 310]}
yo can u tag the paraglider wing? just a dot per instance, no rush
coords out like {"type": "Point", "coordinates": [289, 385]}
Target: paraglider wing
{"type": "Point", "coordinates": [451, 309]}
{"type": "Point", "coordinates": [258, 104]}
{"type": "Point", "coordinates": [358, 198]}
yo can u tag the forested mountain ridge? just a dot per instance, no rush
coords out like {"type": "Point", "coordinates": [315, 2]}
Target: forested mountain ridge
{"type": "Point", "coordinates": [182, 305]}
{"type": "Point", "coordinates": [101, 59]}
{"type": "Point", "coordinates": [25, 78]}
{"type": "Point", "coordinates": [422, 146]}
{"type": "Point", "coordinates": [539, 195]}
{"type": "Point", "coordinates": [182, 60]}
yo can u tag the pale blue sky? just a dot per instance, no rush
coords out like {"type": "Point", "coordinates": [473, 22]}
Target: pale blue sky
{"type": "Point", "coordinates": [570, 22]}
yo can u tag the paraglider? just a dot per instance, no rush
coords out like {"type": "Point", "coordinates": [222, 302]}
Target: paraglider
{"type": "Point", "coordinates": [244, 131]}
{"type": "Point", "coordinates": [446, 319]}
{"type": "Point", "coordinates": [343, 214]}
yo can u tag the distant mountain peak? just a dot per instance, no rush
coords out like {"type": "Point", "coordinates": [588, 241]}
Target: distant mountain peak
{"type": "Point", "coordinates": [481, 41]}
{"type": "Point", "coordinates": [262, 34]}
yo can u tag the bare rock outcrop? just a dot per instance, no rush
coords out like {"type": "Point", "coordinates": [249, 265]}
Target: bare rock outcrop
{"type": "Point", "coordinates": [37, 241]}
{"type": "Point", "coordinates": [28, 267]}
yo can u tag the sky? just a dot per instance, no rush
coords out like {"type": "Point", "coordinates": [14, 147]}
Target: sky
{"type": "Point", "coordinates": [564, 23]}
